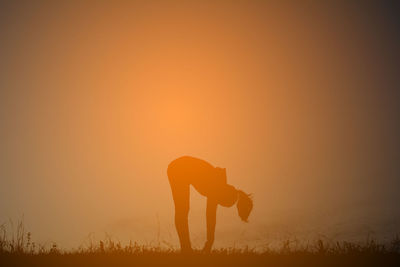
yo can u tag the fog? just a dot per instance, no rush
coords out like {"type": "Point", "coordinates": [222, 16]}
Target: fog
{"type": "Point", "coordinates": [298, 101]}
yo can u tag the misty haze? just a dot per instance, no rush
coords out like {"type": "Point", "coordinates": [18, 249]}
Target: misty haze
{"type": "Point", "coordinates": [298, 102]}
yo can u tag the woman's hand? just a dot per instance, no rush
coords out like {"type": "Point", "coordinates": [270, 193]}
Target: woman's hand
{"type": "Point", "coordinates": [207, 246]}
{"type": "Point", "coordinates": [211, 214]}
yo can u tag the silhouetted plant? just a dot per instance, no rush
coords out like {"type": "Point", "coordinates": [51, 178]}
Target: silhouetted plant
{"type": "Point", "coordinates": [20, 242]}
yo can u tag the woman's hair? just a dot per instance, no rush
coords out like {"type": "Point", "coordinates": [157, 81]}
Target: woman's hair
{"type": "Point", "coordinates": [244, 205]}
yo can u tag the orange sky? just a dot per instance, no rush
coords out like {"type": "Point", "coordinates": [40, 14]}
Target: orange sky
{"type": "Point", "coordinates": [297, 101]}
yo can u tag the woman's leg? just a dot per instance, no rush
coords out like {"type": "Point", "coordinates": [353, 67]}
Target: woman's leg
{"type": "Point", "coordinates": [181, 195]}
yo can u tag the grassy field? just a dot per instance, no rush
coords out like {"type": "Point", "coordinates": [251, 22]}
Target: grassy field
{"type": "Point", "coordinates": [19, 250]}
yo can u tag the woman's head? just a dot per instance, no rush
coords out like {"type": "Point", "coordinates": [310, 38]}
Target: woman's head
{"type": "Point", "coordinates": [227, 195]}
{"type": "Point", "coordinates": [244, 205]}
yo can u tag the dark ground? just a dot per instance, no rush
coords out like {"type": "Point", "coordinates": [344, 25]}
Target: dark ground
{"type": "Point", "coordinates": [176, 260]}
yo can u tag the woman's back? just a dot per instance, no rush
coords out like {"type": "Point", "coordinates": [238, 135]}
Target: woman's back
{"type": "Point", "coordinates": [204, 177]}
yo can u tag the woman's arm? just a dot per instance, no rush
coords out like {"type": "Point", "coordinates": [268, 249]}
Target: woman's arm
{"type": "Point", "coordinates": [211, 215]}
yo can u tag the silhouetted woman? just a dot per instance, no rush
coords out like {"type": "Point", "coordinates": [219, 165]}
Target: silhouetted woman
{"type": "Point", "coordinates": [210, 182]}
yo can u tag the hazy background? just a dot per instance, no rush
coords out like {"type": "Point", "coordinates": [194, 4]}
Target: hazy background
{"type": "Point", "coordinates": [299, 100]}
